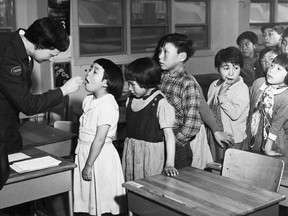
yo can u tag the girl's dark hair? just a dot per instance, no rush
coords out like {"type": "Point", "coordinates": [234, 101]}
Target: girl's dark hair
{"type": "Point", "coordinates": [145, 71]}
{"type": "Point", "coordinates": [114, 76]}
{"type": "Point", "coordinates": [48, 33]}
{"type": "Point", "coordinates": [282, 59]}
{"type": "Point", "coordinates": [268, 49]}
{"type": "Point", "coordinates": [229, 54]}
{"type": "Point", "coordinates": [180, 41]}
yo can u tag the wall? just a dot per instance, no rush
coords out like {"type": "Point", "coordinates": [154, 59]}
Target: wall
{"type": "Point", "coordinates": [228, 19]}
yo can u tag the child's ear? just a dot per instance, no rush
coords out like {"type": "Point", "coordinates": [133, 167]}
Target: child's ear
{"type": "Point", "coordinates": [105, 83]}
{"type": "Point", "coordinates": [183, 56]}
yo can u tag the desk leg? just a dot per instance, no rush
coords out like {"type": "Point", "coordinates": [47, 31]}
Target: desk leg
{"type": "Point", "coordinates": [70, 201]}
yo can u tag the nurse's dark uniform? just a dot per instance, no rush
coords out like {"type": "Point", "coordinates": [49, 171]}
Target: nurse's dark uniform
{"type": "Point", "coordinates": [15, 85]}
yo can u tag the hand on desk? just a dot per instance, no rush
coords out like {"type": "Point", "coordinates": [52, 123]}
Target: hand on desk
{"type": "Point", "coordinates": [170, 171]}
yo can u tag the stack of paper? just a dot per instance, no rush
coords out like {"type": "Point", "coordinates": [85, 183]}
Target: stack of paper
{"type": "Point", "coordinates": [35, 164]}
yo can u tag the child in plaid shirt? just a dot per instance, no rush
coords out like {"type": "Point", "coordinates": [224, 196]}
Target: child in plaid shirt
{"type": "Point", "coordinates": [183, 93]}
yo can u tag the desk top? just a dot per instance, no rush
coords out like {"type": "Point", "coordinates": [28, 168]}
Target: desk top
{"type": "Point", "coordinates": [198, 192]}
{"type": "Point", "coordinates": [35, 153]}
{"type": "Point", "coordinates": [35, 134]}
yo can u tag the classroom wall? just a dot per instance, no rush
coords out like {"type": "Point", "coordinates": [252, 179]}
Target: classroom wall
{"type": "Point", "coordinates": [228, 19]}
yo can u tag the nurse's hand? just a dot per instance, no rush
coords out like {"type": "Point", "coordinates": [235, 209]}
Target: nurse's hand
{"type": "Point", "coordinates": [72, 85]}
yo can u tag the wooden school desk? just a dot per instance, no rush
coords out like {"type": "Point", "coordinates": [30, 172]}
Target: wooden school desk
{"type": "Point", "coordinates": [21, 188]}
{"type": "Point", "coordinates": [44, 137]}
{"type": "Point", "coordinates": [198, 192]}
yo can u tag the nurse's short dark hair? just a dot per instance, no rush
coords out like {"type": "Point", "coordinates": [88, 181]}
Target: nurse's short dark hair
{"type": "Point", "coordinates": [230, 54]}
{"type": "Point", "coordinates": [145, 71]}
{"type": "Point", "coordinates": [113, 75]}
{"type": "Point", "coordinates": [48, 33]}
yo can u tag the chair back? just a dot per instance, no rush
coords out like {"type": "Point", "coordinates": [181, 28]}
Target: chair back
{"type": "Point", "coordinates": [260, 170]}
{"type": "Point", "coordinates": [69, 126]}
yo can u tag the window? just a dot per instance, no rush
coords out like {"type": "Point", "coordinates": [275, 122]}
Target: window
{"type": "Point", "coordinates": [192, 19]}
{"type": "Point", "coordinates": [7, 16]}
{"type": "Point", "coordinates": [267, 11]}
{"type": "Point", "coordinates": [126, 27]}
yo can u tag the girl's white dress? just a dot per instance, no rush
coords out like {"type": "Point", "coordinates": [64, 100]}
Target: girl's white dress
{"type": "Point", "coordinates": [104, 193]}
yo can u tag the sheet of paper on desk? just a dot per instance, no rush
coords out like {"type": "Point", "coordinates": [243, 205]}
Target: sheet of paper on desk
{"type": "Point", "coordinates": [17, 157]}
{"type": "Point", "coordinates": [35, 164]}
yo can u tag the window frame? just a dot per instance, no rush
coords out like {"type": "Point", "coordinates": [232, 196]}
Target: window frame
{"type": "Point", "coordinates": [127, 56]}
{"type": "Point", "coordinates": [12, 25]}
{"type": "Point", "coordinates": [273, 13]}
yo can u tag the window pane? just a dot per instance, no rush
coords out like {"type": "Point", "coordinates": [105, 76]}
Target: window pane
{"type": "Point", "coordinates": [100, 12]}
{"type": "Point", "coordinates": [259, 12]}
{"type": "Point", "coordinates": [148, 12]}
{"type": "Point", "coordinates": [282, 12]}
{"type": "Point", "coordinates": [101, 40]}
{"type": "Point", "coordinates": [190, 12]}
{"type": "Point", "coordinates": [198, 34]}
{"type": "Point", "coordinates": [6, 13]}
{"type": "Point", "coordinates": [145, 39]}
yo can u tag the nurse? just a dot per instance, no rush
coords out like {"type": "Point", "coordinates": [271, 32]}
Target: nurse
{"type": "Point", "coordinates": [43, 40]}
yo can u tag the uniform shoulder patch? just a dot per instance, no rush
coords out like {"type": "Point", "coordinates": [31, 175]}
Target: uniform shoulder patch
{"type": "Point", "coordinates": [16, 71]}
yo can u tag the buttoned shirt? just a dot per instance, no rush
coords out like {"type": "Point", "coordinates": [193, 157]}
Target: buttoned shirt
{"type": "Point", "coordinates": [182, 92]}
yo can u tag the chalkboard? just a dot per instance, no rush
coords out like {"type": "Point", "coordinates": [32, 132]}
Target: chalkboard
{"type": "Point", "coordinates": [62, 73]}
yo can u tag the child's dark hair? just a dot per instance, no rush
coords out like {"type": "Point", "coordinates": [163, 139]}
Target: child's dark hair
{"type": "Point", "coordinates": [180, 41]}
{"type": "Point", "coordinates": [145, 71]}
{"type": "Point", "coordinates": [268, 49]}
{"type": "Point", "coordinates": [114, 76]}
{"type": "Point", "coordinates": [229, 54]}
{"type": "Point", "coordinates": [285, 33]}
{"type": "Point", "coordinates": [282, 59]}
{"type": "Point", "coordinates": [276, 27]}
{"type": "Point", "coordinates": [249, 35]}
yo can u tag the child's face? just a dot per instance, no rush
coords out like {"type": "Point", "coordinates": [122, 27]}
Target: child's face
{"type": "Point", "coordinates": [94, 78]}
{"type": "Point", "coordinates": [247, 48]}
{"type": "Point", "coordinates": [229, 72]}
{"type": "Point", "coordinates": [271, 38]}
{"type": "Point", "coordinates": [136, 90]}
{"type": "Point", "coordinates": [276, 74]}
{"type": "Point", "coordinates": [169, 59]}
{"type": "Point", "coordinates": [266, 60]}
{"type": "Point", "coordinates": [284, 45]}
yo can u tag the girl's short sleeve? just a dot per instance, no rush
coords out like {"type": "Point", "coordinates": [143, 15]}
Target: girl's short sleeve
{"type": "Point", "coordinates": [165, 114]}
{"type": "Point", "coordinates": [108, 114]}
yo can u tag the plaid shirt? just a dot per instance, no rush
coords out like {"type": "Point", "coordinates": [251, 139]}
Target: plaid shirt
{"type": "Point", "coordinates": [183, 94]}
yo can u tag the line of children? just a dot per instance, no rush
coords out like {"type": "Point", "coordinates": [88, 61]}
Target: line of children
{"type": "Point", "coordinates": [151, 146]}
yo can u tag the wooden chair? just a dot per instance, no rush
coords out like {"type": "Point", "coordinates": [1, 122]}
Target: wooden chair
{"type": "Point", "coordinates": [256, 169]}
{"type": "Point", "coordinates": [69, 126]}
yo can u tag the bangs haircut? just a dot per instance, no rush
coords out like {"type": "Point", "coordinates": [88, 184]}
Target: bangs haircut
{"type": "Point", "coordinates": [180, 41]}
{"type": "Point", "coordinates": [282, 59]}
{"type": "Point", "coordinates": [145, 71]}
{"type": "Point", "coordinates": [113, 75]}
{"type": "Point", "coordinates": [229, 54]}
